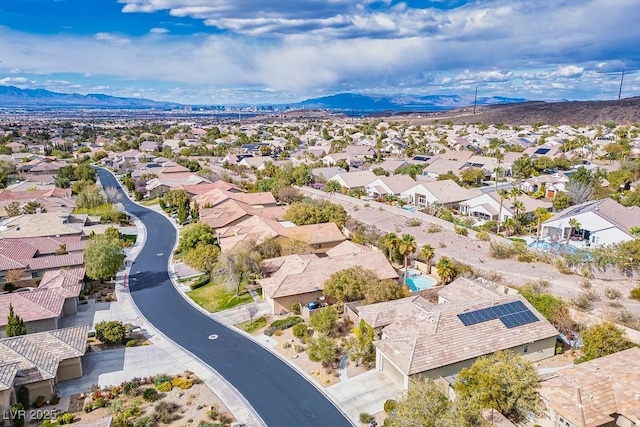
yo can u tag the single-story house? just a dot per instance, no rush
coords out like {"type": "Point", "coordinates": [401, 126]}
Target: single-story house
{"type": "Point", "coordinates": [602, 222]}
{"type": "Point", "coordinates": [325, 174]}
{"type": "Point", "coordinates": [600, 393]}
{"type": "Point", "coordinates": [39, 361]}
{"type": "Point", "coordinates": [300, 278]}
{"type": "Point", "coordinates": [394, 185]}
{"type": "Point", "coordinates": [351, 180]}
{"type": "Point", "coordinates": [487, 206]}
{"type": "Point", "coordinates": [421, 340]}
{"type": "Point", "coordinates": [391, 165]}
{"type": "Point", "coordinates": [445, 192]}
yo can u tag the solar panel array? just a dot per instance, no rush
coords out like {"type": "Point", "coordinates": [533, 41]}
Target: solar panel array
{"type": "Point", "coordinates": [512, 314]}
{"type": "Point", "coordinates": [542, 151]}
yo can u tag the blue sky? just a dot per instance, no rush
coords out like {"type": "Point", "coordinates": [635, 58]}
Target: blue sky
{"type": "Point", "coordinates": [268, 51]}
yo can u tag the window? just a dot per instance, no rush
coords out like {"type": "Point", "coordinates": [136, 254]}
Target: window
{"type": "Point", "coordinates": [422, 199]}
{"type": "Point", "coordinates": [525, 349]}
{"type": "Point", "coordinates": [36, 274]}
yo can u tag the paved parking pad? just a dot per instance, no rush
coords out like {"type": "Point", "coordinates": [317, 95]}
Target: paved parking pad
{"type": "Point", "coordinates": [365, 393]}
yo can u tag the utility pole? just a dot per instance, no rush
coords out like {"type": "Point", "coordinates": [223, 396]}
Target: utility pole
{"type": "Point", "coordinates": [475, 101]}
{"type": "Point", "coordinates": [621, 80]}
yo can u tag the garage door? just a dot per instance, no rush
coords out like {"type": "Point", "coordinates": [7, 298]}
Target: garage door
{"type": "Point", "coordinates": [392, 372]}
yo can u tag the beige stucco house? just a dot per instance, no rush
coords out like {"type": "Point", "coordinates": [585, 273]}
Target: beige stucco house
{"type": "Point", "coordinates": [600, 393]}
{"type": "Point", "coordinates": [39, 361]}
{"type": "Point", "coordinates": [422, 340]}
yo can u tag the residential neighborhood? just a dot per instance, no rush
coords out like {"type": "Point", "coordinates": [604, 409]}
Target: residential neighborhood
{"type": "Point", "coordinates": [389, 262]}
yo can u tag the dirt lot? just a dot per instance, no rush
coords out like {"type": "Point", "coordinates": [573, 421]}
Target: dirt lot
{"type": "Point", "coordinates": [192, 405]}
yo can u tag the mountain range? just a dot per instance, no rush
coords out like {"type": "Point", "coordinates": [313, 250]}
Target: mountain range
{"type": "Point", "coordinates": [12, 97]}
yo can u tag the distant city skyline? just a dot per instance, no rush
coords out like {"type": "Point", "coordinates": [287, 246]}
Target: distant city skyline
{"type": "Point", "coordinates": [278, 51]}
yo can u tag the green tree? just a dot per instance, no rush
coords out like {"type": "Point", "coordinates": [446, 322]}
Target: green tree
{"type": "Point", "coordinates": [322, 349]}
{"type": "Point", "coordinates": [406, 246]}
{"type": "Point", "coordinates": [111, 332]}
{"type": "Point", "coordinates": [447, 270]}
{"type": "Point", "coordinates": [174, 199]}
{"type": "Point", "coordinates": [84, 172]}
{"type": "Point", "coordinates": [112, 233]}
{"type": "Point", "coordinates": [601, 340]}
{"type": "Point", "coordinates": [503, 195]}
{"type": "Point", "coordinates": [360, 345]}
{"type": "Point", "coordinates": [90, 197]}
{"type": "Point", "coordinates": [423, 405]}
{"type": "Point", "coordinates": [390, 242]}
{"type": "Point", "coordinates": [203, 257]}
{"type": "Point", "coordinates": [240, 266]}
{"type": "Point", "coordinates": [195, 211]}
{"type": "Point", "coordinates": [522, 167]}
{"type": "Point", "coordinates": [384, 290]}
{"type": "Point", "coordinates": [62, 182]}
{"type": "Point", "coordinates": [195, 234]}
{"type": "Point", "coordinates": [541, 215]}
{"type": "Point", "coordinates": [427, 253]}
{"type": "Point", "coordinates": [323, 320]}
{"type": "Point", "coordinates": [562, 201]}
{"type": "Point", "coordinates": [15, 325]}
{"type": "Point", "coordinates": [349, 284]}
{"type": "Point", "coordinates": [32, 207]}
{"type": "Point", "coordinates": [333, 187]}
{"type": "Point", "coordinates": [503, 381]}
{"type": "Point", "coordinates": [574, 224]}
{"type": "Point", "coordinates": [103, 257]}
{"type": "Point", "coordinates": [304, 213]}
{"type": "Point", "coordinates": [472, 176]}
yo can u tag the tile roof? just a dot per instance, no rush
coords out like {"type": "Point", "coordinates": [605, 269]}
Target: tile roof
{"type": "Point", "coordinates": [56, 261]}
{"type": "Point", "coordinates": [298, 274]}
{"type": "Point", "coordinates": [591, 393]}
{"type": "Point", "coordinates": [466, 290]}
{"type": "Point", "coordinates": [421, 338]}
{"type": "Point", "coordinates": [67, 283]}
{"type": "Point", "coordinates": [42, 224]}
{"type": "Point", "coordinates": [621, 216]}
{"type": "Point", "coordinates": [314, 234]}
{"type": "Point", "coordinates": [31, 305]}
{"type": "Point", "coordinates": [384, 313]}
{"type": "Point", "coordinates": [355, 179]}
{"type": "Point", "coordinates": [447, 191]}
{"type": "Point", "coordinates": [39, 355]}
{"type": "Point", "coordinates": [7, 375]}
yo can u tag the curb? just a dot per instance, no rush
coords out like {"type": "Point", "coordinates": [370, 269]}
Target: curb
{"type": "Point", "coordinates": [241, 398]}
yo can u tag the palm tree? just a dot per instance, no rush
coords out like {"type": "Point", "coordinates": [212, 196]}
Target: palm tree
{"type": "Point", "coordinates": [504, 195]}
{"type": "Point", "coordinates": [517, 207]}
{"type": "Point", "coordinates": [390, 241]}
{"type": "Point", "coordinates": [406, 246]}
{"type": "Point", "coordinates": [515, 192]}
{"type": "Point", "coordinates": [510, 225]}
{"type": "Point", "coordinates": [446, 270]}
{"type": "Point", "coordinates": [541, 215]}
{"type": "Point", "coordinates": [428, 252]}
{"type": "Point", "coordinates": [573, 225]}
{"type": "Point", "coordinates": [332, 187]}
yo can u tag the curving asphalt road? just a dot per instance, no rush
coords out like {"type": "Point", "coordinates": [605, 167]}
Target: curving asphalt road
{"type": "Point", "coordinates": [278, 393]}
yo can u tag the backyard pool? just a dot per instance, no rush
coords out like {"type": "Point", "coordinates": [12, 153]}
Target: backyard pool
{"type": "Point", "coordinates": [411, 209]}
{"type": "Point", "coordinates": [545, 246]}
{"type": "Point", "coordinates": [417, 282]}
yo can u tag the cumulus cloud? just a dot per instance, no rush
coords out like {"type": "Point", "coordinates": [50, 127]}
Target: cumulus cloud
{"type": "Point", "coordinates": [335, 45]}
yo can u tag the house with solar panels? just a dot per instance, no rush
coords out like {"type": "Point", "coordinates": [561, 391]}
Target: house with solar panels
{"type": "Point", "coordinates": [419, 339]}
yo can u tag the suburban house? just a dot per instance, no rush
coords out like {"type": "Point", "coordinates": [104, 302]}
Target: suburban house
{"type": "Point", "coordinates": [394, 185]}
{"type": "Point", "coordinates": [52, 200]}
{"type": "Point", "coordinates": [325, 174]}
{"type": "Point", "coordinates": [602, 222]}
{"type": "Point", "coordinates": [50, 224]}
{"type": "Point", "coordinates": [422, 340]}
{"type": "Point", "coordinates": [446, 193]}
{"type": "Point", "coordinates": [300, 278]}
{"type": "Point", "coordinates": [600, 393]}
{"type": "Point", "coordinates": [467, 290]}
{"type": "Point", "coordinates": [551, 184]}
{"type": "Point", "coordinates": [157, 187]}
{"type": "Point", "coordinates": [487, 206]}
{"type": "Point", "coordinates": [391, 165]}
{"type": "Point", "coordinates": [257, 162]}
{"type": "Point", "coordinates": [150, 146]}
{"type": "Point", "coordinates": [39, 361]}
{"type": "Point", "coordinates": [352, 180]}
{"type": "Point", "coordinates": [22, 261]}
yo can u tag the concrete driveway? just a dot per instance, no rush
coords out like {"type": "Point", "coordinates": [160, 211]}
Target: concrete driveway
{"type": "Point", "coordinates": [365, 392]}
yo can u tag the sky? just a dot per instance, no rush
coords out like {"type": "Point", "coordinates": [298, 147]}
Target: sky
{"type": "Point", "coordinates": [275, 51]}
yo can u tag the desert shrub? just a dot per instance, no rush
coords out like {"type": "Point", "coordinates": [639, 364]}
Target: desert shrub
{"type": "Point", "coordinates": [150, 394]}
{"type": "Point", "coordinates": [414, 222]}
{"type": "Point", "coordinates": [132, 343]}
{"type": "Point", "coordinates": [213, 412]}
{"type": "Point", "coordinates": [585, 299]}
{"type": "Point", "coordinates": [463, 231]}
{"type": "Point", "coordinates": [501, 250]}
{"type": "Point", "coordinates": [365, 417]}
{"type": "Point", "coordinates": [282, 324]}
{"type": "Point", "coordinates": [165, 387]}
{"type": "Point", "coordinates": [367, 205]}
{"type": "Point", "coordinates": [130, 388]}
{"type": "Point", "coordinates": [144, 421]}
{"type": "Point", "coordinates": [586, 284]}
{"type": "Point", "coordinates": [635, 293]}
{"type": "Point", "coordinates": [562, 266]}
{"type": "Point", "coordinates": [182, 383]}
{"type": "Point", "coordinates": [526, 256]}
{"type": "Point", "coordinates": [66, 418]}
{"type": "Point", "coordinates": [110, 332]}
{"type": "Point", "coordinates": [483, 235]}
{"type": "Point", "coordinates": [612, 293]}
{"type": "Point", "coordinates": [161, 378]}
{"type": "Point", "coordinates": [200, 281]}
{"type": "Point", "coordinates": [99, 403]}
{"type": "Point", "coordinates": [87, 408]}
{"type": "Point", "coordinates": [433, 228]}
{"type": "Point", "coordinates": [559, 349]}
{"type": "Point", "coordinates": [295, 308]}
{"type": "Point", "coordinates": [286, 345]}
{"type": "Point", "coordinates": [300, 330]}
{"type": "Point", "coordinates": [165, 412]}
{"type": "Point", "coordinates": [299, 348]}
{"type": "Point", "coordinates": [390, 405]}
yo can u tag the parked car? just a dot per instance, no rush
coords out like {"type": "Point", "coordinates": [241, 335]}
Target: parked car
{"type": "Point", "coordinates": [313, 305]}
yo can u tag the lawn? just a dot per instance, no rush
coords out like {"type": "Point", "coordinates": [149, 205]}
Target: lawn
{"type": "Point", "coordinates": [214, 296]}
{"type": "Point", "coordinates": [149, 202]}
{"type": "Point", "coordinates": [250, 327]}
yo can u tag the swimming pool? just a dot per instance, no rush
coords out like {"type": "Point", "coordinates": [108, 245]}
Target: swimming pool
{"type": "Point", "coordinates": [417, 282]}
{"type": "Point", "coordinates": [545, 246]}
{"type": "Point", "coordinates": [411, 209]}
